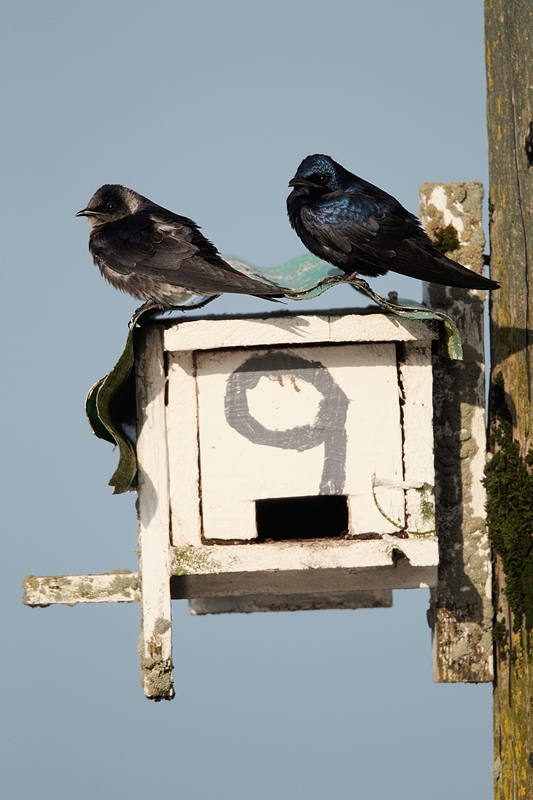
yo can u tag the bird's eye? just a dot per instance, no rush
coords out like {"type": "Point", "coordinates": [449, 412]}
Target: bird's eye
{"type": "Point", "coordinates": [110, 206]}
{"type": "Point", "coordinates": [323, 178]}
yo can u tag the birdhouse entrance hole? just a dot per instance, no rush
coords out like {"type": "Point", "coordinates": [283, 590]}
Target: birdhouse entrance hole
{"type": "Point", "coordinates": [285, 518]}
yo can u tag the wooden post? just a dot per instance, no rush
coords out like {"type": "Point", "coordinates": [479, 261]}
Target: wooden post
{"type": "Point", "coordinates": [461, 604]}
{"type": "Point", "coordinates": [509, 60]}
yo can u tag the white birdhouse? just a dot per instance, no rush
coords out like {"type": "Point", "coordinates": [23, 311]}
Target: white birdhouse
{"type": "Point", "coordinates": [288, 459]}
{"type": "Point", "coordinates": [288, 462]}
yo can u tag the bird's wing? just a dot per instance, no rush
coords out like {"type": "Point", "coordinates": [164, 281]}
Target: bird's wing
{"type": "Point", "coordinates": [134, 240]}
{"type": "Point", "coordinates": [355, 225]}
{"type": "Point", "coordinates": [170, 249]}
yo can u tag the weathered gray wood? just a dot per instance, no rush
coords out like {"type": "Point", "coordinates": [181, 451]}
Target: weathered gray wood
{"type": "Point", "coordinates": [509, 42]}
{"type": "Point", "coordinates": [509, 61]}
{"type": "Point", "coordinates": [461, 608]}
{"type": "Point", "coordinates": [154, 516]}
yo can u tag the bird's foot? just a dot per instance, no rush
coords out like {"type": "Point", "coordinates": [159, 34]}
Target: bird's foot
{"type": "Point", "coordinates": [356, 282]}
{"type": "Point", "coordinates": [155, 306]}
{"type": "Point", "coordinates": [150, 305]}
{"type": "Point", "coordinates": [351, 278]}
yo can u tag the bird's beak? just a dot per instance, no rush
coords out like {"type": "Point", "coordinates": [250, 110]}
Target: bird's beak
{"type": "Point", "coordinates": [296, 181]}
{"type": "Point", "coordinates": [85, 212]}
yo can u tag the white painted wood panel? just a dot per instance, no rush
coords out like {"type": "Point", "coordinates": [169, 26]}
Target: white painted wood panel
{"type": "Point", "coordinates": [182, 432]}
{"type": "Point", "coordinates": [210, 334]}
{"type": "Point", "coordinates": [418, 437]}
{"type": "Point", "coordinates": [298, 555]}
{"type": "Point", "coordinates": [359, 434]}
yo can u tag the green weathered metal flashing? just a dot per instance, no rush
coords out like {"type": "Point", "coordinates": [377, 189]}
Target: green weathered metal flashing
{"type": "Point", "coordinates": [111, 400]}
{"type": "Point", "coordinates": [108, 403]}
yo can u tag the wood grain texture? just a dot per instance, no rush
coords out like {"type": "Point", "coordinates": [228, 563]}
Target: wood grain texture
{"type": "Point", "coordinates": [509, 62]}
{"type": "Point", "coordinates": [509, 42]}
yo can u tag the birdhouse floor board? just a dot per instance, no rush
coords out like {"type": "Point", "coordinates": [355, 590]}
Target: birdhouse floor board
{"type": "Point", "coordinates": [318, 566]}
{"type": "Point", "coordinates": [401, 576]}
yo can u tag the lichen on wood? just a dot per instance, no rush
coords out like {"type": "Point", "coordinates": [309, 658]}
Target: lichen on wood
{"type": "Point", "coordinates": [156, 669]}
{"type": "Point", "coordinates": [120, 586]}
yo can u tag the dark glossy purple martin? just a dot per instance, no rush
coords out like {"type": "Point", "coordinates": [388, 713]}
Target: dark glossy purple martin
{"type": "Point", "coordinates": [156, 255]}
{"type": "Point", "coordinates": [362, 230]}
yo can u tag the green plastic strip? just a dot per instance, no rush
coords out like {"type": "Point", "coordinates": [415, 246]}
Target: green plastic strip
{"type": "Point", "coordinates": [307, 276]}
{"type": "Point", "coordinates": [106, 405]}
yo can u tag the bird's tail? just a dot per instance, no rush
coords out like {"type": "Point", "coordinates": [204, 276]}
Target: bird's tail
{"type": "Point", "coordinates": [415, 261]}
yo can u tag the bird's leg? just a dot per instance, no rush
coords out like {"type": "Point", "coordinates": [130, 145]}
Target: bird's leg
{"type": "Point", "coordinates": [195, 306]}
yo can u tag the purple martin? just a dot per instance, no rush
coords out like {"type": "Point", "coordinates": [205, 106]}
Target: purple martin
{"type": "Point", "coordinates": [363, 230]}
{"type": "Point", "coordinates": [156, 255]}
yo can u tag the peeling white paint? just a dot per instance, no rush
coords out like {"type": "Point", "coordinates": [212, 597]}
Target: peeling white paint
{"type": "Point", "coordinates": [462, 616]}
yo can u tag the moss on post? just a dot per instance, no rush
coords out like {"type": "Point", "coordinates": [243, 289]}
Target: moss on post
{"type": "Point", "coordinates": [509, 484]}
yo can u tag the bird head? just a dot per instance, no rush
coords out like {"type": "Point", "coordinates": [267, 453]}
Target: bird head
{"type": "Point", "coordinates": [110, 203]}
{"type": "Point", "coordinates": [318, 174]}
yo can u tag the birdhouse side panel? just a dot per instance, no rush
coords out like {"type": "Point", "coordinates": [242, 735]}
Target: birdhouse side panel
{"type": "Point", "coordinates": [182, 432]}
{"type": "Point", "coordinates": [417, 388]}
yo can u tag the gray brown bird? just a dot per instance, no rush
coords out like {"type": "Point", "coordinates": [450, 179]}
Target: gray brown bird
{"type": "Point", "coordinates": [158, 256]}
